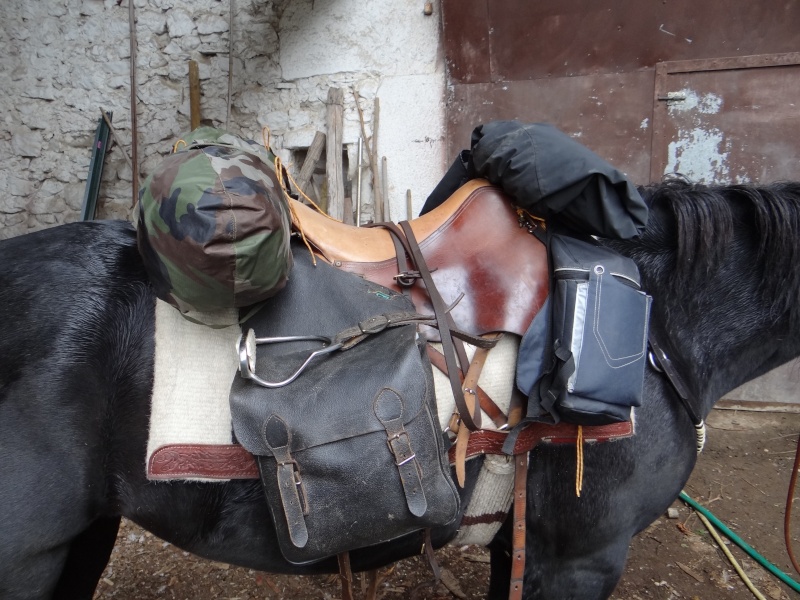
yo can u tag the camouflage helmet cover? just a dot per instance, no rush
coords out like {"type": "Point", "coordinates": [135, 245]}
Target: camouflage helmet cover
{"type": "Point", "coordinates": [214, 225]}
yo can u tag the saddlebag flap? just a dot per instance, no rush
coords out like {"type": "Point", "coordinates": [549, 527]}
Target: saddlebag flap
{"type": "Point", "coordinates": [350, 452]}
{"type": "Point", "coordinates": [582, 359]}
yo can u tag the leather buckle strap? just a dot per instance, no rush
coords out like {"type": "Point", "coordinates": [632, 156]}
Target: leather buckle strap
{"type": "Point", "coordinates": [388, 407]}
{"type": "Point", "coordinates": [518, 534]}
{"type": "Point", "coordinates": [295, 507]}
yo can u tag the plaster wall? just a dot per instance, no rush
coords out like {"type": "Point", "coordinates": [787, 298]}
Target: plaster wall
{"type": "Point", "coordinates": [64, 60]}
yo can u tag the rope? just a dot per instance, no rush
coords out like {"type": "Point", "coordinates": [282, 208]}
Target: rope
{"type": "Point", "coordinates": [579, 468]}
{"type": "Point", "coordinates": [731, 558]}
{"type": "Point", "coordinates": [787, 513]}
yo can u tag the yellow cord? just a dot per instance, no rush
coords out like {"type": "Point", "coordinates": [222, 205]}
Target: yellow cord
{"type": "Point", "coordinates": [579, 468]}
{"type": "Point", "coordinates": [731, 558]}
{"type": "Point", "coordinates": [265, 136]}
{"type": "Point", "coordinates": [175, 145]}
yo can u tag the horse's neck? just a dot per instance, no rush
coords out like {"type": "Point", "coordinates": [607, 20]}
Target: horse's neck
{"type": "Point", "coordinates": [718, 331]}
{"type": "Point", "coordinates": [472, 243]}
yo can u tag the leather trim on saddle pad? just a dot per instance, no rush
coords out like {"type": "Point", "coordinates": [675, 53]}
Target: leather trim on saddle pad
{"type": "Point", "coordinates": [234, 462]}
{"type": "Point", "coordinates": [177, 461]}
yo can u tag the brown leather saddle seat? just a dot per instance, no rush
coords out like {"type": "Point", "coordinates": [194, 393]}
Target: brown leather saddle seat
{"type": "Point", "coordinates": [475, 246]}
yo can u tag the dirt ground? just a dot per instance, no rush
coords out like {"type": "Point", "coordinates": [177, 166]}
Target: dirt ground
{"type": "Point", "coordinates": [742, 477]}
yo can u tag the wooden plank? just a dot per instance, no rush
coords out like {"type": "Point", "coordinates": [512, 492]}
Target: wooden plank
{"type": "Point", "coordinates": [347, 210]}
{"type": "Point", "coordinates": [194, 94]}
{"type": "Point", "coordinates": [333, 150]}
{"type": "Point", "coordinates": [312, 156]}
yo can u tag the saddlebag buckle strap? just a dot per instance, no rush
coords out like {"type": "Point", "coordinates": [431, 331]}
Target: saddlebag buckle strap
{"type": "Point", "coordinates": [388, 407]}
{"type": "Point", "coordinates": [290, 485]}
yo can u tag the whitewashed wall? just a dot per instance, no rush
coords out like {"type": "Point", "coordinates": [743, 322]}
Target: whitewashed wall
{"type": "Point", "coordinates": [61, 61]}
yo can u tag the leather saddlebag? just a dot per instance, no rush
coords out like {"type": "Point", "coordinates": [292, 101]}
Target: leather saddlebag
{"type": "Point", "coordinates": [350, 452]}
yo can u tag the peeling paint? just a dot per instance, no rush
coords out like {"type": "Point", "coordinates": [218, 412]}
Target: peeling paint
{"type": "Point", "coordinates": [708, 104]}
{"type": "Point", "coordinates": [700, 151]}
{"type": "Point", "coordinates": [645, 123]}
{"type": "Point", "coordinates": [701, 155]}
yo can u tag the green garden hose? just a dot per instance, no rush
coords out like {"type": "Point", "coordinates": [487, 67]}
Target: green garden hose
{"type": "Point", "coordinates": [741, 543]}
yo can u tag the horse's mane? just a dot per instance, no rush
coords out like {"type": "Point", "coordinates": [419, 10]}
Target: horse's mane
{"type": "Point", "coordinates": [698, 224]}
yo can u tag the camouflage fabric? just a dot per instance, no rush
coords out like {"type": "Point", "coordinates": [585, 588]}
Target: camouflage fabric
{"type": "Point", "coordinates": [214, 225]}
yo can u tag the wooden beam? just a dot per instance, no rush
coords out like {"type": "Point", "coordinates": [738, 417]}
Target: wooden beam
{"type": "Point", "coordinates": [312, 156]}
{"type": "Point", "coordinates": [333, 151]}
{"type": "Point", "coordinates": [194, 94]}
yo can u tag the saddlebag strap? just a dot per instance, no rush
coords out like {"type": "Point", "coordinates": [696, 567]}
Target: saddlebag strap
{"type": "Point", "coordinates": [518, 534]}
{"type": "Point", "coordinates": [473, 421]}
{"type": "Point", "coordinates": [345, 575]}
{"type": "Point", "coordinates": [278, 439]}
{"type": "Point", "coordinates": [388, 408]}
{"type": "Point", "coordinates": [351, 336]}
{"type": "Point", "coordinates": [487, 404]}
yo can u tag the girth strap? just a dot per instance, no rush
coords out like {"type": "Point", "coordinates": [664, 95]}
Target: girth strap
{"type": "Point", "coordinates": [518, 533]}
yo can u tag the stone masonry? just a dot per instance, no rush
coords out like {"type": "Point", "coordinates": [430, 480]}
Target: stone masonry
{"type": "Point", "coordinates": [64, 60]}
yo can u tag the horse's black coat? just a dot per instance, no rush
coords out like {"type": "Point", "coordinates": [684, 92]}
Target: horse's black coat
{"type": "Point", "coordinates": [76, 361]}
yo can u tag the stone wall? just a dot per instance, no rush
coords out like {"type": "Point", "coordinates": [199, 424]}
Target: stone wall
{"type": "Point", "coordinates": [64, 60]}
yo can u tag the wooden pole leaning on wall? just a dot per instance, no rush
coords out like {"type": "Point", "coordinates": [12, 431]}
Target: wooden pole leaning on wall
{"type": "Point", "coordinates": [194, 94]}
{"type": "Point", "coordinates": [312, 156]}
{"type": "Point", "coordinates": [333, 151]}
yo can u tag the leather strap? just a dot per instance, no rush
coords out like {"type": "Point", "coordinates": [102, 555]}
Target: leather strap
{"type": "Point", "coordinates": [388, 407]}
{"type": "Point", "coordinates": [373, 579]}
{"type": "Point", "coordinates": [487, 441]}
{"type": "Point", "coordinates": [348, 338]}
{"type": "Point", "coordinates": [278, 438]}
{"type": "Point", "coordinates": [487, 404]}
{"type": "Point", "coordinates": [518, 535]}
{"type": "Point", "coordinates": [678, 384]}
{"type": "Point", "coordinates": [431, 556]}
{"type": "Point", "coordinates": [787, 513]}
{"type": "Point", "coordinates": [345, 575]}
{"type": "Point", "coordinates": [470, 397]}
{"type": "Point", "coordinates": [460, 453]}
{"type": "Point", "coordinates": [473, 421]}
{"type": "Point", "coordinates": [405, 277]}
{"type": "Point", "coordinates": [234, 462]}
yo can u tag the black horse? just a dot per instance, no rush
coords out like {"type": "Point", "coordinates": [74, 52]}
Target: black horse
{"type": "Point", "coordinates": [76, 370]}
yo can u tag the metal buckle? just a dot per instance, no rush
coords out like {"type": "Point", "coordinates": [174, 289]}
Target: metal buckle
{"type": "Point", "coordinates": [247, 355]}
{"type": "Point", "coordinates": [394, 451]}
